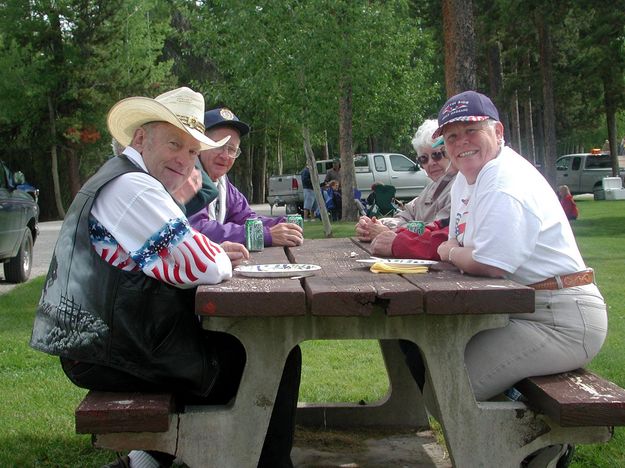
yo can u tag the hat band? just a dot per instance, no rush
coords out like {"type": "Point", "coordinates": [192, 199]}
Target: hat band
{"type": "Point", "coordinates": [191, 122]}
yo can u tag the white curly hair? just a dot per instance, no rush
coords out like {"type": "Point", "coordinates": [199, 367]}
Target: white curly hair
{"type": "Point", "coordinates": [423, 136]}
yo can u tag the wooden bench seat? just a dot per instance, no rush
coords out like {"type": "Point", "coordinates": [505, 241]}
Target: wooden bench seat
{"type": "Point", "coordinates": [576, 398]}
{"type": "Point", "coordinates": [571, 399]}
{"type": "Point", "coordinates": [580, 407]}
{"type": "Point", "coordinates": [112, 412]}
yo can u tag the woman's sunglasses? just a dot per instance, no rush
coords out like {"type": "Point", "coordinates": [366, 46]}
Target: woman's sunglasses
{"type": "Point", "coordinates": [436, 156]}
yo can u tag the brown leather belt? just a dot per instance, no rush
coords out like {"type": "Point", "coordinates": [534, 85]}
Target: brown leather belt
{"type": "Point", "coordinates": [580, 278]}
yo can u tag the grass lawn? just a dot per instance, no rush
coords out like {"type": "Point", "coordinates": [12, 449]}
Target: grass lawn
{"type": "Point", "coordinates": [37, 411]}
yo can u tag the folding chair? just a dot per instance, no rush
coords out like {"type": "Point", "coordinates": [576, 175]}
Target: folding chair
{"type": "Point", "coordinates": [384, 202]}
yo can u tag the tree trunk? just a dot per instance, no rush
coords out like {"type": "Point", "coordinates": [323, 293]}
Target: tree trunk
{"type": "Point", "coordinates": [262, 178]}
{"type": "Point", "coordinates": [529, 128]}
{"type": "Point", "coordinates": [610, 117]}
{"type": "Point", "coordinates": [245, 184]}
{"type": "Point", "coordinates": [314, 176]}
{"type": "Point", "coordinates": [73, 171]}
{"type": "Point", "coordinates": [516, 125]}
{"type": "Point", "coordinates": [55, 162]}
{"type": "Point", "coordinates": [529, 120]}
{"type": "Point", "coordinates": [348, 174]}
{"type": "Point", "coordinates": [326, 150]}
{"type": "Point", "coordinates": [459, 37]}
{"type": "Point", "coordinates": [549, 120]}
{"type": "Point", "coordinates": [279, 154]}
{"type": "Point", "coordinates": [495, 78]}
{"type": "Point", "coordinates": [540, 138]}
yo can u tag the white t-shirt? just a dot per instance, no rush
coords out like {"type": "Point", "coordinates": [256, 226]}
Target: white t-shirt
{"type": "Point", "coordinates": [136, 225]}
{"type": "Point", "coordinates": [513, 220]}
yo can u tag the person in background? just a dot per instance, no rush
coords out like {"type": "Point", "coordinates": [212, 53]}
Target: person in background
{"type": "Point", "coordinates": [118, 302]}
{"type": "Point", "coordinates": [224, 218]}
{"type": "Point", "coordinates": [567, 202]}
{"type": "Point", "coordinates": [310, 202]}
{"type": "Point", "coordinates": [331, 193]}
{"type": "Point", "coordinates": [430, 206]}
{"type": "Point", "coordinates": [500, 229]}
{"type": "Point", "coordinates": [334, 173]}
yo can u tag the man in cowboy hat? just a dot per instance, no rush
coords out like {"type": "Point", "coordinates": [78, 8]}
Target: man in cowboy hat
{"type": "Point", "coordinates": [117, 305]}
{"type": "Point", "coordinates": [224, 218]}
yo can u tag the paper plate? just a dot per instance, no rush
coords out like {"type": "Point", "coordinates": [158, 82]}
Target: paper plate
{"type": "Point", "coordinates": [396, 261]}
{"type": "Point", "coordinates": [277, 270]}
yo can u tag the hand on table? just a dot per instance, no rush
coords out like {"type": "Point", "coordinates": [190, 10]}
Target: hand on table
{"type": "Point", "coordinates": [383, 244]}
{"type": "Point", "coordinates": [445, 247]}
{"type": "Point", "coordinates": [191, 186]}
{"type": "Point", "coordinates": [368, 228]}
{"type": "Point", "coordinates": [237, 253]}
{"type": "Point", "coordinates": [286, 234]}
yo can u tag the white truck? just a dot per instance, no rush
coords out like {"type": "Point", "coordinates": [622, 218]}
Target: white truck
{"type": "Point", "coordinates": [389, 168]}
{"type": "Point", "coordinates": [584, 172]}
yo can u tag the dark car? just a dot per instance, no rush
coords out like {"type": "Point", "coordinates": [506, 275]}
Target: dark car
{"type": "Point", "coordinates": [19, 214]}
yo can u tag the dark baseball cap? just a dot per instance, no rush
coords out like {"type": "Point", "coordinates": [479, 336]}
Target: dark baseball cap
{"type": "Point", "coordinates": [224, 117]}
{"type": "Point", "coordinates": [469, 106]}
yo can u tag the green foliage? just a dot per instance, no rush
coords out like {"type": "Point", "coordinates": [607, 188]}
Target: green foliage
{"type": "Point", "coordinates": [588, 43]}
{"type": "Point", "coordinates": [281, 64]}
{"type": "Point", "coordinates": [69, 61]}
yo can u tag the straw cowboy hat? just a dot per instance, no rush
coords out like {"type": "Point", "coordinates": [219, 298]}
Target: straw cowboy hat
{"type": "Point", "coordinates": [181, 107]}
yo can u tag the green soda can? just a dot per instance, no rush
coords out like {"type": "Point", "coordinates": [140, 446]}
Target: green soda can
{"type": "Point", "coordinates": [295, 219]}
{"type": "Point", "coordinates": [254, 236]}
{"type": "Point", "coordinates": [416, 226]}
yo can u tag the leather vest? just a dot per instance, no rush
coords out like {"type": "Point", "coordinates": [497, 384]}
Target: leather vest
{"type": "Point", "coordinates": [91, 311]}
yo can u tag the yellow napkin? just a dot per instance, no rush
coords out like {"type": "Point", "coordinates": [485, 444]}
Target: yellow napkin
{"type": "Point", "coordinates": [380, 267]}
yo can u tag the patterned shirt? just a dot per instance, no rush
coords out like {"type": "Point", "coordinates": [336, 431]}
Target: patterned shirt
{"type": "Point", "coordinates": [136, 225]}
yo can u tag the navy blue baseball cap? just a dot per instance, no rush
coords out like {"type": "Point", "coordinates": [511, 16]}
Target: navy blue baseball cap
{"type": "Point", "coordinates": [469, 106]}
{"type": "Point", "coordinates": [224, 117]}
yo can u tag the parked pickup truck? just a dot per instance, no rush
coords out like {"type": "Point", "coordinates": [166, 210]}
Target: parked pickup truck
{"type": "Point", "coordinates": [389, 168]}
{"type": "Point", "coordinates": [584, 172]}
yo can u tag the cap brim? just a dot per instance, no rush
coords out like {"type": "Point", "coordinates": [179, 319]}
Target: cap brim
{"type": "Point", "coordinates": [129, 114]}
{"type": "Point", "coordinates": [465, 118]}
{"type": "Point", "coordinates": [241, 127]}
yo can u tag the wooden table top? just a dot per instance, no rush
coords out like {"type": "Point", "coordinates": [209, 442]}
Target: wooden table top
{"type": "Point", "coordinates": [344, 287]}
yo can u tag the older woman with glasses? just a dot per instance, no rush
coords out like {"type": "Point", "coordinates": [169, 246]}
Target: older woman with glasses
{"type": "Point", "coordinates": [224, 218]}
{"type": "Point", "coordinates": [432, 204]}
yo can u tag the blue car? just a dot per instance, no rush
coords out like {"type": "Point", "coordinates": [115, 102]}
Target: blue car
{"type": "Point", "coordinates": [19, 216]}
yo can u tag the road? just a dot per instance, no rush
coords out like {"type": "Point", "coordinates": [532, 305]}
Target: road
{"type": "Point", "coordinates": [49, 231]}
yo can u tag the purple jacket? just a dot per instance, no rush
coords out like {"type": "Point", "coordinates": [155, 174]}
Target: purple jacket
{"type": "Point", "coordinates": [233, 228]}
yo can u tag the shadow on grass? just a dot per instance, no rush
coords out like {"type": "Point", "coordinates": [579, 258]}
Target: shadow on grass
{"type": "Point", "coordinates": [69, 452]}
{"type": "Point", "coordinates": [599, 227]}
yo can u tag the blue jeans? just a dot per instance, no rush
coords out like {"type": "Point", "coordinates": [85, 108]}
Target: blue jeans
{"type": "Point", "coordinates": [310, 202]}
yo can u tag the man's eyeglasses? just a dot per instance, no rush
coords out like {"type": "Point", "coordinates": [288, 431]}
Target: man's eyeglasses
{"type": "Point", "coordinates": [232, 151]}
{"type": "Point", "coordinates": [436, 156]}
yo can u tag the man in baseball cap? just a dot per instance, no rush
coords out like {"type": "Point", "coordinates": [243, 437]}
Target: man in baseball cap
{"type": "Point", "coordinates": [224, 218]}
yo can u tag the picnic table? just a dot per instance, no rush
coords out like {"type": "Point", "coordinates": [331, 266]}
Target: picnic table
{"type": "Point", "coordinates": [439, 311]}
